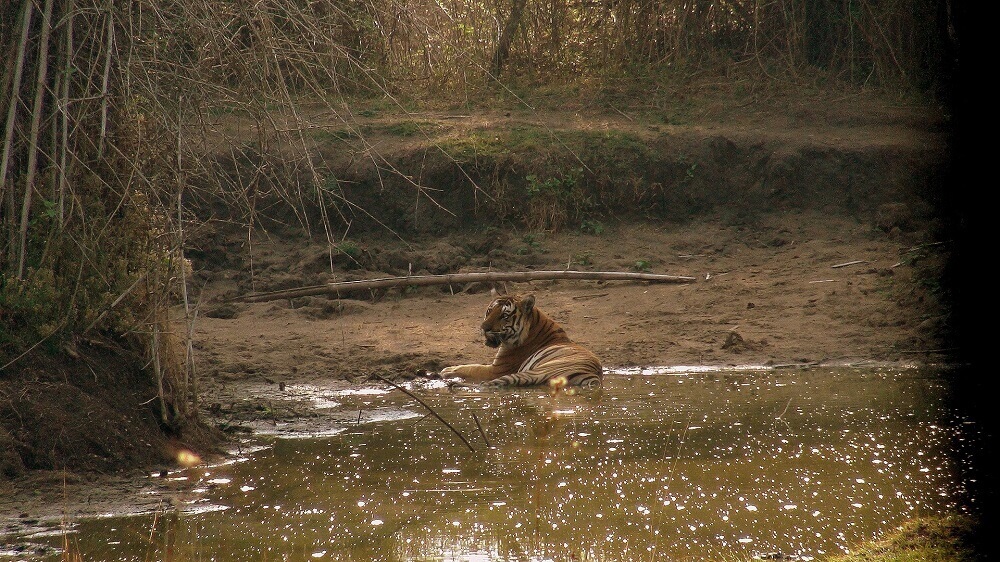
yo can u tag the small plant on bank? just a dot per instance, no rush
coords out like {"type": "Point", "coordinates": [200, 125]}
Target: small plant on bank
{"type": "Point", "coordinates": [531, 244]}
{"type": "Point", "coordinates": [594, 227]}
{"type": "Point", "coordinates": [349, 248]}
{"type": "Point", "coordinates": [689, 173]}
{"type": "Point", "coordinates": [551, 199]}
{"type": "Point", "coordinates": [689, 168]}
{"type": "Point", "coordinates": [641, 265]}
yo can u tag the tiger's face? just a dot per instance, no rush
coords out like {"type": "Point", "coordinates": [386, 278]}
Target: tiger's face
{"type": "Point", "coordinates": [505, 320]}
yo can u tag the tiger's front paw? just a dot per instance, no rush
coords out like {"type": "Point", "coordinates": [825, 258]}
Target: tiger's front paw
{"type": "Point", "coordinates": [495, 383]}
{"type": "Point", "coordinates": [471, 373]}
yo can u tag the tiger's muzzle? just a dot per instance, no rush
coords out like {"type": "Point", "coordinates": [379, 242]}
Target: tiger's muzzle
{"type": "Point", "coordinates": [493, 339]}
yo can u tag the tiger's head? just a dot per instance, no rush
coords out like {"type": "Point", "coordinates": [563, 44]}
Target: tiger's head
{"type": "Point", "coordinates": [507, 320]}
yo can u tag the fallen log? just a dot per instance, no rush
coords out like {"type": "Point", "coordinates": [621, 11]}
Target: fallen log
{"type": "Point", "coordinates": [344, 287]}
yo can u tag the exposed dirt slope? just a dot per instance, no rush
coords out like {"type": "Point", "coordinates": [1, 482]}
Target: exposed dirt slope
{"type": "Point", "coordinates": [768, 295]}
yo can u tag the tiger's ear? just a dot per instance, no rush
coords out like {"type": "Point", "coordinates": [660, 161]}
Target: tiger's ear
{"type": "Point", "coordinates": [527, 303]}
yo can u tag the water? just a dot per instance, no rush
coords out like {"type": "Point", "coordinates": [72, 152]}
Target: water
{"type": "Point", "coordinates": [671, 464]}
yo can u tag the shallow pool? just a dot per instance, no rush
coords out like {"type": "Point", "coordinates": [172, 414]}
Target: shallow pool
{"type": "Point", "coordinates": [679, 464]}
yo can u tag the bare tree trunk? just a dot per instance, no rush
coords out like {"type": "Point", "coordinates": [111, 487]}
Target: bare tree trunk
{"type": "Point", "coordinates": [36, 118]}
{"type": "Point", "coordinates": [64, 111]}
{"type": "Point", "coordinates": [104, 82]}
{"type": "Point", "coordinates": [6, 189]}
{"type": "Point", "coordinates": [189, 387]}
{"type": "Point", "coordinates": [158, 370]}
{"type": "Point", "coordinates": [507, 37]}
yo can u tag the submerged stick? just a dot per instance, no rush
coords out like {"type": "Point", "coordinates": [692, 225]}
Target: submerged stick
{"type": "Point", "coordinates": [481, 432]}
{"type": "Point", "coordinates": [429, 409]}
{"type": "Point", "coordinates": [339, 287]}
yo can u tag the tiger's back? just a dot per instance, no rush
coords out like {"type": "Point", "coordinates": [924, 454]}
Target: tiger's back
{"type": "Point", "coordinates": [533, 350]}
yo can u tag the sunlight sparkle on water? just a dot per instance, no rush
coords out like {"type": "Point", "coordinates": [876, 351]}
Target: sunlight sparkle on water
{"type": "Point", "coordinates": [605, 475]}
{"type": "Point", "coordinates": [685, 369]}
{"type": "Point", "coordinates": [362, 392]}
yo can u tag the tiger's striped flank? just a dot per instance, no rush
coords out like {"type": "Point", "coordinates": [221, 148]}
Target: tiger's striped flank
{"type": "Point", "coordinates": [533, 350]}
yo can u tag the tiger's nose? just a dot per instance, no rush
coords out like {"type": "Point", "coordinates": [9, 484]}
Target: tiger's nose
{"type": "Point", "coordinates": [492, 338]}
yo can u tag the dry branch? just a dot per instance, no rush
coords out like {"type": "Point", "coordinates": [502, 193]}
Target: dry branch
{"type": "Point", "coordinates": [341, 287]}
{"type": "Point", "coordinates": [481, 432]}
{"type": "Point", "coordinates": [431, 410]}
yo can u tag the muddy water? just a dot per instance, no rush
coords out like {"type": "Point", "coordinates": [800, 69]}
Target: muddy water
{"type": "Point", "coordinates": [663, 464]}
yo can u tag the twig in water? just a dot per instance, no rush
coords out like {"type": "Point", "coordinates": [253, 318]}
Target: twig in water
{"type": "Point", "coordinates": [429, 409]}
{"type": "Point", "coordinates": [422, 418]}
{"type": "Point", "coordinates": [481, 432]}
{"type": "Point", "coordinates": [782, 414]}
{"type": "Point", "coordinates": [682, 439]}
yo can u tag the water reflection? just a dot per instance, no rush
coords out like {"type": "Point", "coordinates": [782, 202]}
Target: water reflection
{"type": "Point", "coordinates": [687, 465]}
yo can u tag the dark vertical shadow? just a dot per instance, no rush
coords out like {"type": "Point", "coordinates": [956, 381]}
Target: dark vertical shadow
{"type": "Point", "coordinates": [968, 206]}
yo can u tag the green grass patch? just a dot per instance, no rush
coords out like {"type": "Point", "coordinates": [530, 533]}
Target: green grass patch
{"type": "Point", "coordinates": [929, 539]}
{"type": "Point", "coordinates": [406, 128]}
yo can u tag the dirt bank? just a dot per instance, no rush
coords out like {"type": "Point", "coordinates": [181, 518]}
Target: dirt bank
{"type": "Point", "coordinates": [777, 293]}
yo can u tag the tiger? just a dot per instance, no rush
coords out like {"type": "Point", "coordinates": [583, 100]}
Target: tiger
{"type": "Point", "coordinates": [533, 350]}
